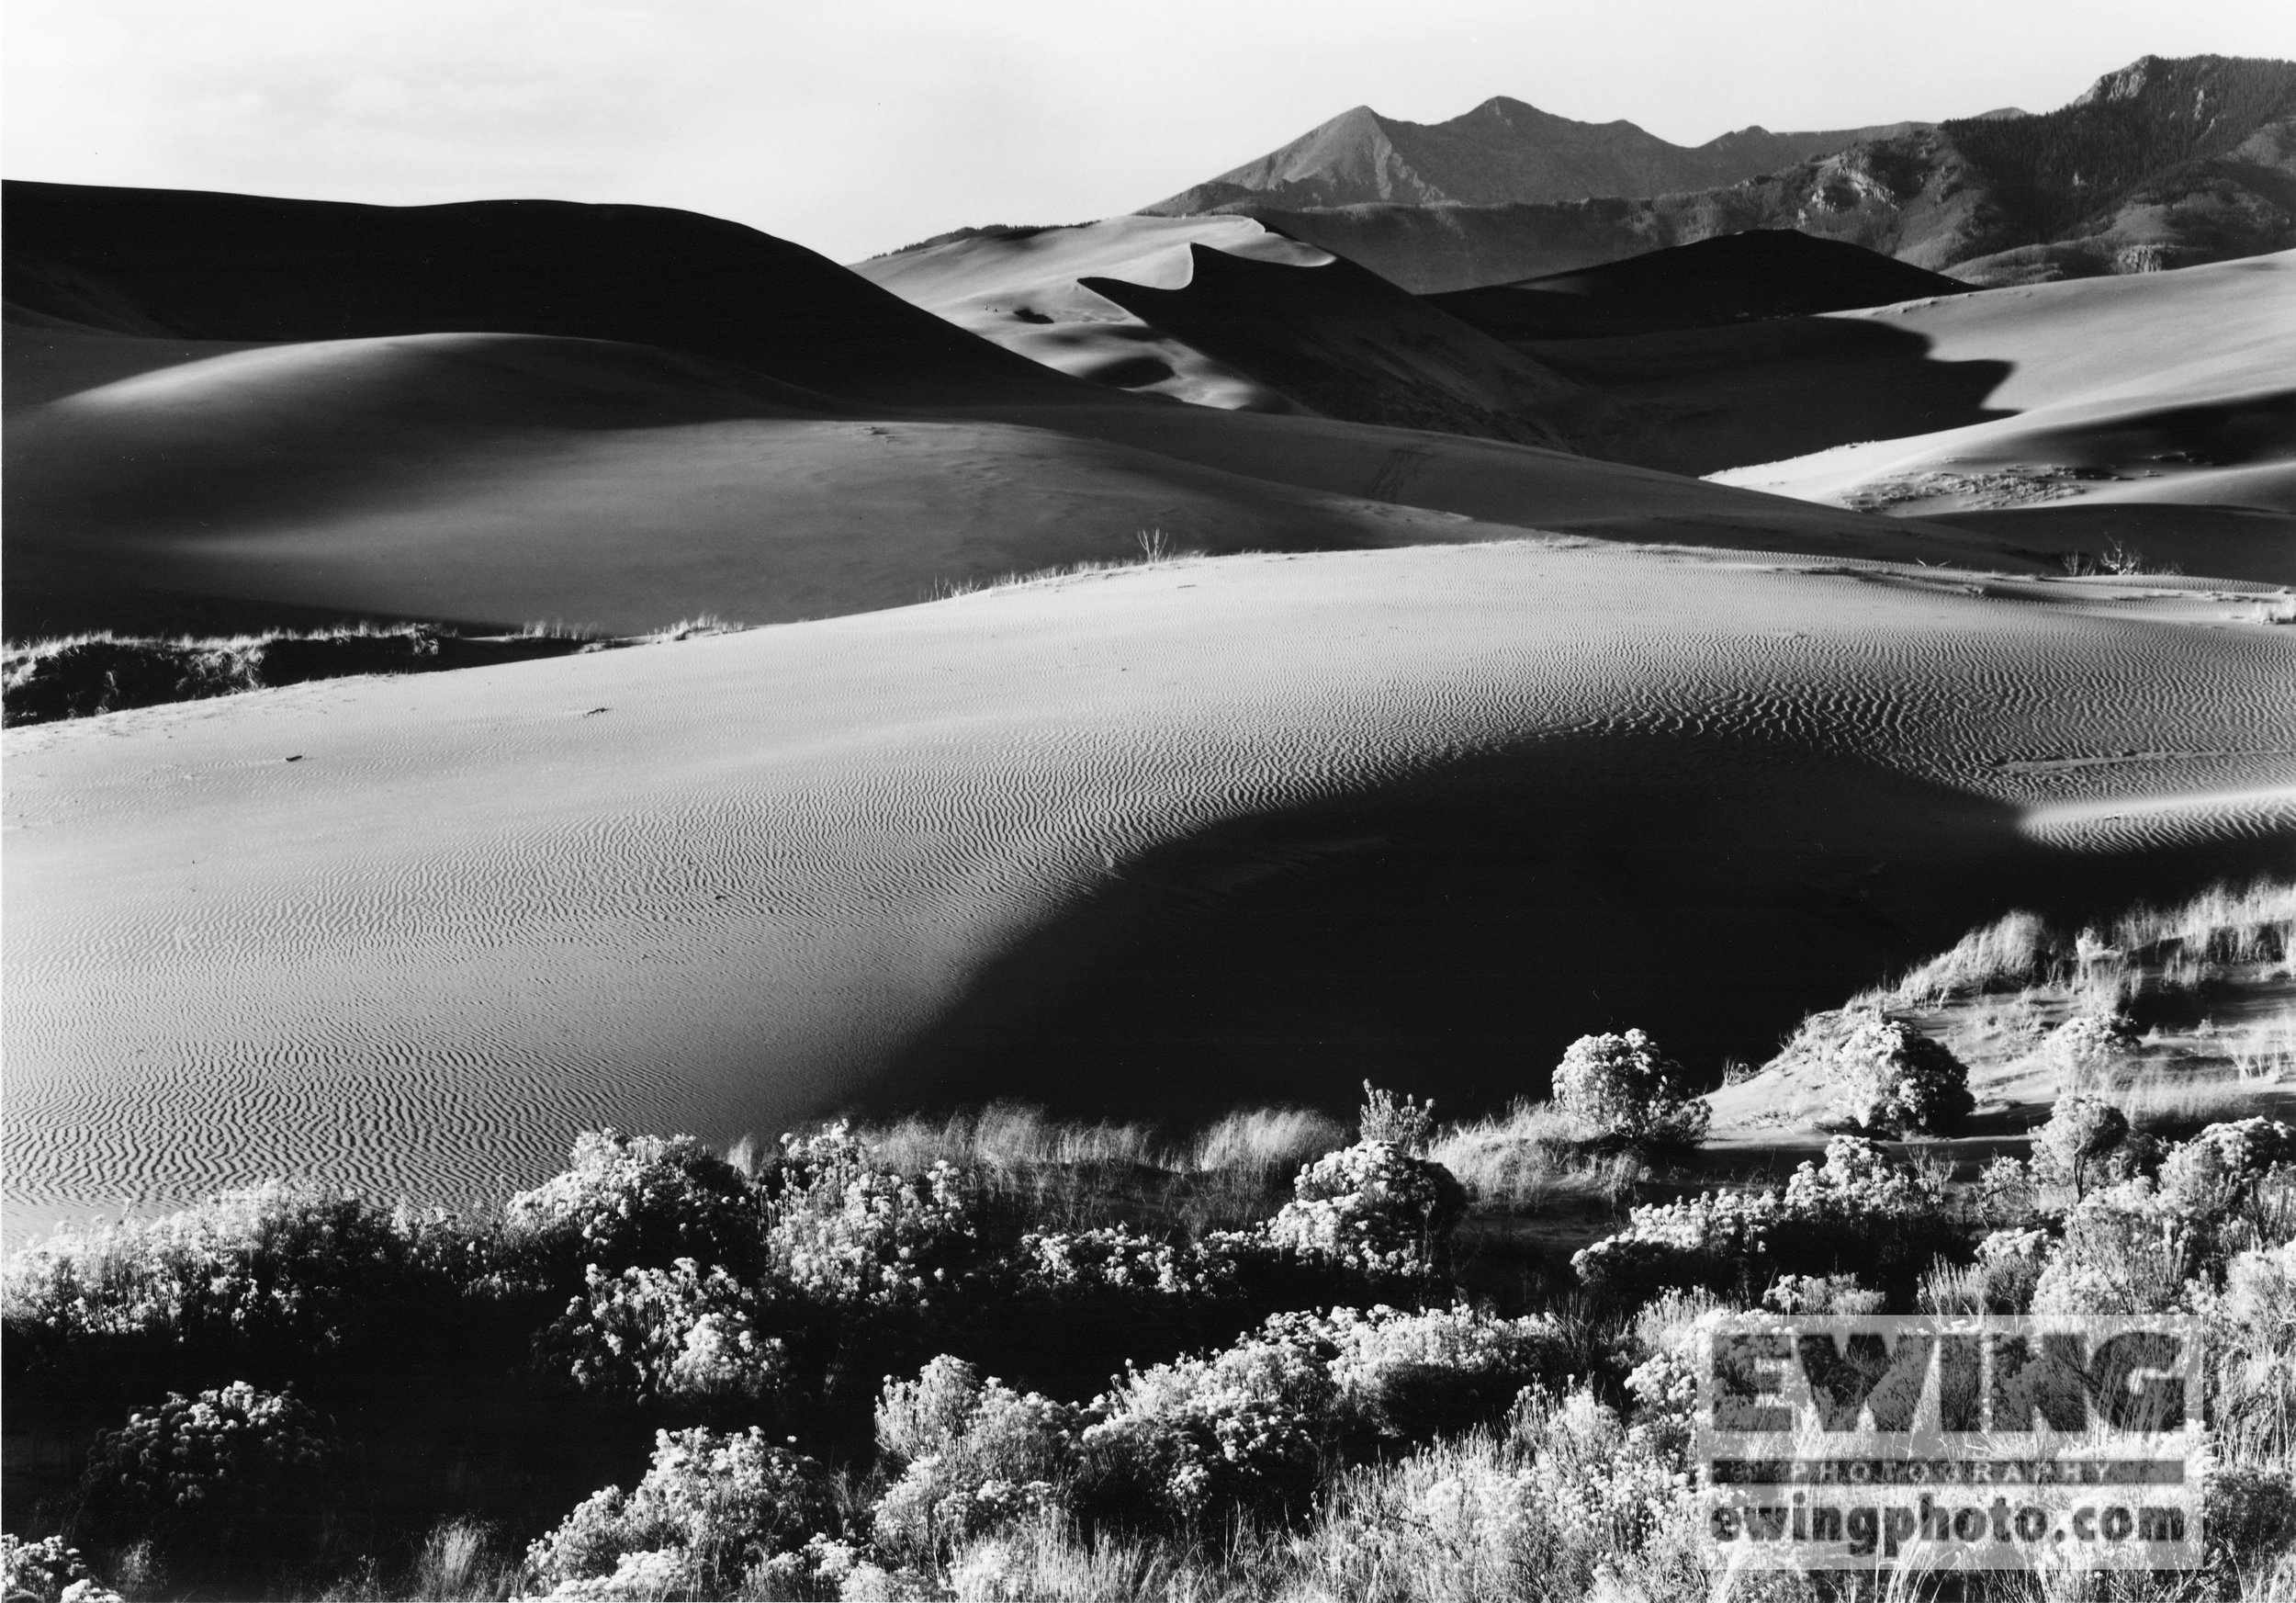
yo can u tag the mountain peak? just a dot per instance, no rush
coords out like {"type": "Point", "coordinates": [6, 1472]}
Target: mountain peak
{"type": "Point", "coordinates": [1502, 152]}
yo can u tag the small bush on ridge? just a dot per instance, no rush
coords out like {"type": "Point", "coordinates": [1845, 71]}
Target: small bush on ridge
{"type": "Point", "coordinates": [1371, 1207]}
{"type": "Point", "coordinates": [1897, 1081]}
{"type": "Point", "coordinates": [1623, 1088]}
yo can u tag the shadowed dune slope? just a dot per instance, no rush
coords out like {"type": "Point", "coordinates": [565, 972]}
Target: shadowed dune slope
{"type": "Point", "coordinates": [1020, 289]}
{"type": "Point", "coordinates": [499, 480]}
{"type": "Point", "coordinates": [208, 266]}
{"type": "Point", "coordinates": [1763, 273]}
{"type": "Point", "coordinates": [1765, 392]}
{"type": "Point", "coordinates": [1347, 343]}
{"type": "Point", "coordinates": [1220, 312]}
{"type": "Point", "coordinates": [2168, 388]}
{"type": "Point", "coordinates": [1156, 841]}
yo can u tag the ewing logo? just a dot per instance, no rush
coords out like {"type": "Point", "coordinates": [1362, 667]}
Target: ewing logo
{"type": "Point", "coordinates": [1961, 1442]}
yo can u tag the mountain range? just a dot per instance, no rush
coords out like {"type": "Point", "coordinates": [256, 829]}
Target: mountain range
{"type": "Point", "coordinates": [1501, 152]}
{"type": "Point", "coordinates": [2163, 163]}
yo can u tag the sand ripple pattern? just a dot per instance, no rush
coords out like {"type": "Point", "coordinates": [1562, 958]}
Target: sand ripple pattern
{"type": "Point", "coordinates": [716, 884]}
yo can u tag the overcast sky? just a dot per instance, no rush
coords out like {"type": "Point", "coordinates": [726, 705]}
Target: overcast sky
{"type": "Point", "coordinates": [859, 126]}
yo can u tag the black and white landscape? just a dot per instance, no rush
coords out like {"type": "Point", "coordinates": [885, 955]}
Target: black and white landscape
{"type": "Point", "coordinates": [634, 858]}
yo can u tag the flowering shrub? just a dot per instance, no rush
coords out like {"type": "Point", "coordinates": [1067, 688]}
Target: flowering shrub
{"type": "Point", "coordinates": [823, 1567]}
{"type": "Point", "coordinates": [227, 1474]}
{"type": "Point", "coordinates": [2085, 1046]}
{"type": "Point", "coordinates": [1623, 1087]}
{"type": "Point", "coordinates": [2085, 1142]}
{"type": "Point", "coordinates": [848, 1234]}
{"type": "Point", "coordinates": [1371, 1207]}
{"type": "Point", "coordinates": [639, 1201]}
{"type": "Point", "coordinates": [975, 1457]}
{"type": "Point", "coordinates": [678, 1332]}
{"type": "Point", "coordinates": [1821, 1295]}
{"type": "Point", "coordinates": [47, 1572]}
{"type": "Point", "coordinates": [1897, 1081]}
{"type": "Point", "coordinates": [1553, 1510]}
{"type": "Point", "coordinates": [2127, 1249]}
{"type": "Point", "coordinates": [296, 1263]}
{"type": "Point", "coordinates": [1862, 1208]}
{"type": "Point", "coordinates": [709, 1508]}
{"type": "Point", "coordinates": [1244, 1430]}
{"type": "Point", "coordinates": [1406, 1376]}
{"type": "Point", "coordinates": [2009, 1267]}
{"type": "Point", "coordinates": [2221, 1167]}
{"type": "Point", "coordinates": [1119, 1259]}
{"type": "Point", "coordinates": [1187, 1444]}
{"type": "Point", "coordinates": [1608, 1484]}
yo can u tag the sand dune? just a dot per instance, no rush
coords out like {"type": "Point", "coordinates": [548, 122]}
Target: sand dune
{"type": "Point", "coordinates": [1724, 398]}
{"type": "Point", "coordinates": [500, 479]}
{"type": "Point", "coordinates": [2161, 390]}
{"type": "Point", "coordinates": [1155, 841]}
{"type": "Point", "coordinates": [208, 266]}
{"type": "Point", "coordinates": [1763, 273]}
{"type": "Point", "coordinates": [1223, 312]}
{"type": "Point", "coordinates": [1020, 289]}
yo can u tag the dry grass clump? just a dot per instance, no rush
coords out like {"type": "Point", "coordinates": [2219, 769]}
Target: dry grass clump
{"type": "Point", "coordinates": [2015, 949]}
{"type": "Point", "coordinates": [459, 1560]}
{"type": "Point", "coordinates": [1080, 1174]}
{"type": "Point", "coordinates": [2148, 948]}
{"type": "Point", "coordinates": [82, 675]}
{"type": "Point", "coordinates": [1534, 1156]}
{"type": "Point", "coordinates": [1274, 1141]}
{"type": "Point", "coordinates": [693, 628]}
{"type": "Point", "coordinates": [1156, 550]}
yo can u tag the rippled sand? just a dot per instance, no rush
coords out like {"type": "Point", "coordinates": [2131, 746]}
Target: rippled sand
{"type": "Point", "coordinates": [1164, 840]}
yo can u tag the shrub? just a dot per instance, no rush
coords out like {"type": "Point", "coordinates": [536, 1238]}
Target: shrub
{"type": "Point", "coordinates": [1243, 1432]}
{"type": "Point", "coordinates": [1897, 1081]}
{"type": "Point", "coordinates": [1821, 1295]}
{"type": "Point", "coordinates": [1373, 1208]}
{"type": "Point", "coordinates": [2221, 1168]}
{"type": "Point", "coordinates": [2085, 1047]}
{"type": "Point", "coordinates": [1623, 1088]}
{"type": "Point", "coordinates": [847, 1234]}
{"type": "Point", "coordinates": [2252, 1346]}
{"type": "Point", "coordinates": [709, 1508]}
{"type": "Point", "coordinates": [2087, 1142]}
{"type": "Point", "coordinates": [1408, 1377]}
{"type": "Point", "coordinates": [47, 1570]}
{"type": "Point", "coordinates": [680, 1332]}
{"type": "Point", "coordinates": [297, 1264]}
{"type": "Point", "coordinates": [1398, 1120]}
{"type": "Point", "coordinates": [2127, 1249]}
{"type": "Point", "coordinates": [2002, 1280]}
{"type": "Point", "coordinates": [228, 1477]}
{"type": "Point", "coordinates": [638, 1201]}
{"type": "Point", "coordinates": [1556, 1508]}
{"type": "Point", "coordinates": [1120, 1261]}
{"type": "Point", "coordinates": [975, 1457]}
{"type": "Point", "coordinates": [1190, 1444]}
{"type": "Point", "coordinates": [1862, 1210]}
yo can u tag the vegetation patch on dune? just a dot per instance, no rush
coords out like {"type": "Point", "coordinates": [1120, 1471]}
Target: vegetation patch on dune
{"type": "Point", "coordinates": [81, 675]}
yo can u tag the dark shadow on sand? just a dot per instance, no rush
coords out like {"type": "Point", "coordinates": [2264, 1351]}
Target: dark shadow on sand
{"type": "Point", "coordinates": [1450, 935]}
